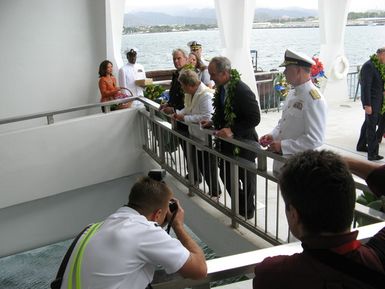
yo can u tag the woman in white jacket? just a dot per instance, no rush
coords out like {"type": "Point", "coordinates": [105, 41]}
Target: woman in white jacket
{"type": "Point", "coordinates": [197, 107]}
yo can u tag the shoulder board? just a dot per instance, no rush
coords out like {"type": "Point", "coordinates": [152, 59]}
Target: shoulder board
{"type": "Point", "coordinates": [315, 94]}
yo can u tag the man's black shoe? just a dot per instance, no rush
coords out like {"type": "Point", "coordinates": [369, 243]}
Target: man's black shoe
{"type": "Point", "coordinates": [375, 158]}
{"type": "Point", "coordinates": [362, 149]}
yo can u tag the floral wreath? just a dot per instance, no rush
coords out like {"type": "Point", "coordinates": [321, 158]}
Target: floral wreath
{"type": "Point", "coordinates": [229, 115]}
{"type": "Point", "coordinates": [381, 69]}
{"type": "Point", "coordinates": [317, 72]}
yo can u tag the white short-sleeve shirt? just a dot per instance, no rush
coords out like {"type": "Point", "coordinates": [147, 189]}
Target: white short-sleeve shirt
{"type": "Point", "coordinates": [125, 252]}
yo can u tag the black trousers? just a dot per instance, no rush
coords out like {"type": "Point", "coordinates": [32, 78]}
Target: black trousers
{"type": "Point", "coordinates": [246, 181]}
{"type": "Point", "coordinates": [381, 128]}
{"type": "Point", "coordinates": [368, 134]}
{"type": "Point", "coordinates": [205, 164]}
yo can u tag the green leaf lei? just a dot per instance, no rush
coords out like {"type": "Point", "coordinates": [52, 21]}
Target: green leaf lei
{"type": "Point", "coordinates": [381, 69]}
{"type": "Point", "coordinates": [235, 77]}
{"type": "Point", "coordinates": [229, 115]}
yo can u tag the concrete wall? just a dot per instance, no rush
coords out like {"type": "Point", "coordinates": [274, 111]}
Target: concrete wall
{"type": "Point", "coordinates": [50, 159]}
{"type": "Point", "coordinates": [49, 54]}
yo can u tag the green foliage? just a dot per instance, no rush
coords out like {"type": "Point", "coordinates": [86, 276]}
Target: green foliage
{"type": "Point", "coordinates": [167, 28]}
{"type": "Point", "coordinates": [357, 15]}
{"type": "Point", "coordinates": [153, 91]}
{"type": "Point", "coordinates": [372, 201]}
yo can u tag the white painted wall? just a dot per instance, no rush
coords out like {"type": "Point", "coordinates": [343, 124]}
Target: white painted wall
{"type": "Point", "coordinates": [51, 159]}
{"type": "Point", "coordinates": [50, 54]}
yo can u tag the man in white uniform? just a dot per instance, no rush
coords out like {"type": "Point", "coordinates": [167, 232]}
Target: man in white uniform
{"type": "Point", "coordinates": [303, 122]}
{"type": "Point", "coordinates": [197, 48]}
{"type": "Point", "coordinates": [125, 250]}
{"type": "Point", "coordinates": [130, 72]}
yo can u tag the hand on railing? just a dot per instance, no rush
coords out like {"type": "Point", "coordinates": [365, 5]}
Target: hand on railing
{"type": "Point", "coordinates": [206, 123]}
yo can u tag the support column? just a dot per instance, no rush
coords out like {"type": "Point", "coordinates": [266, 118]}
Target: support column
{"type": "Point", "coordinates": [332, 21]}
{"type": "Point", "coordinates": [114, 26]}
{"type": "Point", "coordinates": [235, 20]}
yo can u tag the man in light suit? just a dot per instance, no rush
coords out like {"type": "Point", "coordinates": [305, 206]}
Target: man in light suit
{"type": "Point", "coordinates": [247, 116]}
{"type": "Point", "coordinates": [303, 122]}
{"type": "Point", "coordinates": [372, 89]}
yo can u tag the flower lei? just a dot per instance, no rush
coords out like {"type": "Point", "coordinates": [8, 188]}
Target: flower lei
{"type": "Point", "coordinates": [229, 115]}
{"type": "Point", "coordinates": [381, 69]}
{"type": "Point", "coordinates": [317, 72]}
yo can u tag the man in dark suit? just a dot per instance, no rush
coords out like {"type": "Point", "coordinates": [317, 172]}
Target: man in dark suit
{"type": "Point", "coordinates": [372, 88]}
{"type": "Point", "coordinates": [234, 96]}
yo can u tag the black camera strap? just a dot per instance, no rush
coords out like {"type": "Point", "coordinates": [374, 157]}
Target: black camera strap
{"type": "Point", "coordinates": [56, 284]}
{"type": "Point", "coordinates": [171, 220]}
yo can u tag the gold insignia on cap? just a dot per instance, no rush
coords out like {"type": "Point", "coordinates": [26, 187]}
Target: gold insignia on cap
{"type": "Point", "coordinates": [315, 94]}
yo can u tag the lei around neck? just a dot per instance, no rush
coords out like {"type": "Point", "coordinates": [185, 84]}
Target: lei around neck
{"type": "Point", "coordinates": [229, 115]}
{"type": "Point", "coordinates": [381, 69]}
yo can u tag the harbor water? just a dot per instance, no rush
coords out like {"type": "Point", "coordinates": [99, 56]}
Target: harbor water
{"type": "Point", "coordinates": [155, 48]}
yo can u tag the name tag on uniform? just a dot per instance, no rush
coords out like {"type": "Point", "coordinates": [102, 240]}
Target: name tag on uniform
{"type": "Point", "coordinates": [298, 105]}
{"type": "Point", "coordinates": [139, 70]}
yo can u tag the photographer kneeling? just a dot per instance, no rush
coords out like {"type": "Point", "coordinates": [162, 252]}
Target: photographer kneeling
{"type": "Point", "coordinates": [125, 250]}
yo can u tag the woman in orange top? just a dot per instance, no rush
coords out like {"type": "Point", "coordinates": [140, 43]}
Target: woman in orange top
{"type": "Point", "coordinates": [108, 88]}
{"type": "Point", "coordinates": [107, 82]}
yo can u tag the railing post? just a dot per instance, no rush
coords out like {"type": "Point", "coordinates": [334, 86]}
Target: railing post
{"type": "Point", "coordinates": [192, 166]}
{"type": "Point", "coordinates": [50, 119]}
{"type": "Point", "coordinates": [262, 162]}
{"type": "Point", "coordinates": [161, 144]}
{"type": "Point", "coordinates": [234, 176]}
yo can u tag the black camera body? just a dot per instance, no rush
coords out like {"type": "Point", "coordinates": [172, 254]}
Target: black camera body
{"type": "Point", "coordinates": [173, 206]}
{"type": "Point", "coordinates": [157, 174]}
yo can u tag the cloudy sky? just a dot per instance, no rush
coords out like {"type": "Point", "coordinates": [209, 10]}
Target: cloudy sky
{"type": "Point", "coordinates": [356, 5]}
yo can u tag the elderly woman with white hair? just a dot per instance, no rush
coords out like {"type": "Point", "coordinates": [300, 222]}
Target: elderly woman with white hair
{"type": "Point", "coordinates": [198, 107]}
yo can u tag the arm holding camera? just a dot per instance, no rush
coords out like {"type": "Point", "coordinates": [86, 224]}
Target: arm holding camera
{"type": "Point", "coordinates": [195, 266]}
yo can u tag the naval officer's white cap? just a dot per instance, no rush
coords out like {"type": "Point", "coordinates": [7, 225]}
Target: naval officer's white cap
{"type": "Point", "coordinates": [297, 58]}
{"type": "Point", "coordinates": [132, 50]}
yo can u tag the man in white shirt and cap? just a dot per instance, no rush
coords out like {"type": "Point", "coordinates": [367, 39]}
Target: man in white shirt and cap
{"type": "Point", "coordinates": [303, 122]}
{"type": "Point", "coordinates": [131, 72]}
{"type": "Point", "coordinates": [197, 48]}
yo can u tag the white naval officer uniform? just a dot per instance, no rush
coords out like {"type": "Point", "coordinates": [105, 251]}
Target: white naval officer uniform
{"type": "Point", "coordinates": [127, 76]}
{"type": "Point", "coordinates": [303, 122]}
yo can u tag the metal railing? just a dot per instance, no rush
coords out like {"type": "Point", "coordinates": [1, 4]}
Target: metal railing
{"type": "Point", "coordinates": [180, 156]}
{"type": "Point", "coordinates": [353, 83]}
{"type": "Point", "coordinates": [50, 115]}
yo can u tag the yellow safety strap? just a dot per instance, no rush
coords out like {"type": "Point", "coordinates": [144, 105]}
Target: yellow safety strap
{"type": "Point", "coordinates": [78, 257]}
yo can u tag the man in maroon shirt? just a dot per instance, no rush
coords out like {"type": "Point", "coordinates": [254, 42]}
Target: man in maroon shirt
{"type": "Point", "coordinates": [319, 195]}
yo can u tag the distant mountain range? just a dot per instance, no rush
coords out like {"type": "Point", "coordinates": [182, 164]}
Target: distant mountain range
{"type": "Point", "coordinates": [207, 16]}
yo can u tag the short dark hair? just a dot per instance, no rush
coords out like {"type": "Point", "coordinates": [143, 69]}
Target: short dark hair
{"type": "Point", "coordinates": [148, 195]}
{"type": "Point", "coordinates": [380, 50]}
{"type": "Point", "coordinates": [320, 187]}
{"type": "Point", "coordinates": [103, 68]}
